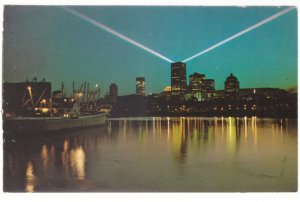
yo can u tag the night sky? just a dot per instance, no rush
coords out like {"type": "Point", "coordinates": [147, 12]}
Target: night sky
{"type": "Point", "coordinates": [48, 42]}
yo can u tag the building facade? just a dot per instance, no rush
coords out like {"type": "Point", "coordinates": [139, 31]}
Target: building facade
{"type": "Point", "coordinates": [232, 86]}
{"type": "Point", "coordinates": [209, 91]}
{"type": "Point", "coordinates": [113, 92]}
{"type": "Point", "coordinates": [178, 78]}
{"type": "Point", "coordinates": [140, 86]}
{"type": "Point", "coordinates": [196, 85]}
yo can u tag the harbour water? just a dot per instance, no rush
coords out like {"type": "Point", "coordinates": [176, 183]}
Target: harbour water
{"type": "Point", "coordinates": [155, 154]}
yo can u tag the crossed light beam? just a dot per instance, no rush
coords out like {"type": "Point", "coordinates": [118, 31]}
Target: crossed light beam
{"type": "Point", "coordinates": [273, 17]}
{"type": "Point", "coordinates": [114, 32]}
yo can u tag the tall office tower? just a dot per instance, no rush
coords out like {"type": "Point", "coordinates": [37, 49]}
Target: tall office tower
{"type": "Point", "coordinates": [140, 86]}
{"type": "Point", "coordinates": [232, 86]}
{"type": "Point", "coordinates": [178, 78]}
{"type": "Point", "coordinates": [113, 92]}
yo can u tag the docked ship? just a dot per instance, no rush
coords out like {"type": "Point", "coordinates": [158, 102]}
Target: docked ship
{"type": "Point", "coordinates": [47, 124]}
{"type": "Point", "coordinates": [40, 112]}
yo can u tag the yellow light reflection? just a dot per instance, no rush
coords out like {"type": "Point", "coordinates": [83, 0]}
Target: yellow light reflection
{"type": "Point", "coordinates": [231, 135]}
{"type": "Point", "coordinates": [159, 126]}
{"type": "Point", "coordinates": [188, 125]}
{"type": "Point", "coordinates": [65, 156]}
{"type": "Point", "coordinates": [123, 129]}
{"type": "Point", "coordinates": [146, 127]}
{"type": "Point", "coordinates": [142, 134]}
{"type": "Point", "coordinates": [176, 139]}
{"type": "Point", "coordinates": [30, 178]}
{"type": "Point", "coordinates": [215, 122]}
{"type": "Point", "coordinates": [222, 125]}
{"type": "Point", "coordinates": [77, 162]}
{"type": "Point", "coordinates": [153, 125]}
{"type": "Point", "coordinates": [168, 130]}
{"type": "Point", "coordinates": [44, 156]}
{"type": "Point", "coordinates": [182, 127]}
{"type": "Point", "coordinates": [66, 145]}
{"type": "Point", "coordinates": [254, 130]}
{"type": "Point", "coordinates": [246, 127]}
{"type": "Point", "coordinates": [281, 132]}
{"type": "Point", "coordinates": [179, 140]}
{"type": "Point", "coordinates": [273, 131]}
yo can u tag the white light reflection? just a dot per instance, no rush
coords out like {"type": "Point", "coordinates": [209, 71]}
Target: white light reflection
{"type": "Point", "coordinates": [109, 128]}
{"type": "Point", "coordinates": [281, 132]}
{"type": "Point", "coordinates": [153, 125]}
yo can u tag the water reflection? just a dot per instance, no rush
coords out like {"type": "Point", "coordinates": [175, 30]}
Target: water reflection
{"type": "Point", "coordinates": [175, 152]}
{"type": "Point", "coordinates": [44, 156]}
{"type": "Point", "coordinates": [254, 130]}
{"type": "Point", "coordinates": [179, 140]}
{"type": "Point", "coordinates": [231, 135]}
{"type": "Point", "coordinates": [77, 162]}
{"type": "Point", "coordinates": [30, 178]}
{"type": "Point", "coordinates": [65, 156]}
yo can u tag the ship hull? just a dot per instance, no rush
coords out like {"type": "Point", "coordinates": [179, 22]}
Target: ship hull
{"type": "Point", "coordinates": [46, 124]}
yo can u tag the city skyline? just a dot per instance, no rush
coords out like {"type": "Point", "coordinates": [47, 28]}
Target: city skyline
{"type": "Point", "coordinates": [60, 47]}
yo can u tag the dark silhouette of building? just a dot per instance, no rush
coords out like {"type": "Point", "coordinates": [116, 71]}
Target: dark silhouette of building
{"type": "Point", "coordinates": [23, 95]}
{"type": "Point", "coordinates": [178, 78]}
{"type": "Point", "coordinates": [232, 86]}
{"type": "Point", "coordinates": [130, 105]}
{"type": "Point", "coordinates": [251, 93]}
{"type": "Point", "coordinates": [140, 86]}
{"type": "Point", "coordinates": [113, 92]}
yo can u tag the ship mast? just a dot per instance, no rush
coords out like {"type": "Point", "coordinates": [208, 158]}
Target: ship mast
{"type": "Point", "coordinates": [73, 89]}
{"type": "Point", "coordinates": [62, 89]}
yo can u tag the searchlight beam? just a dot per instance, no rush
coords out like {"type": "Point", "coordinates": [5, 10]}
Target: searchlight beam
{"type": "Point", "coordinates": [273, 17]}
{"type": "Point", "coordinates": [114, 32]}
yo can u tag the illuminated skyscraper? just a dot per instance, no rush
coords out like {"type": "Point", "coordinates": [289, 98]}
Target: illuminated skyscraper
{"type": "Point", "coordinates": [196, 82]}
{"type": "Point", "coordinates": [178, 78]}
{"type": "Point", "coordinates": [140, 86]}
{"type": "Point", "coordinates": [208, 89]}
{"type": "Point", "coordinates": [196, 85]}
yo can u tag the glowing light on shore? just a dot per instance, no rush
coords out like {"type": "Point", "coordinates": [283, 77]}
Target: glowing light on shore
{"type": "Point", "coordinates": [114, 32]}
{"type": "Point", "coordinates": [273, 17]}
